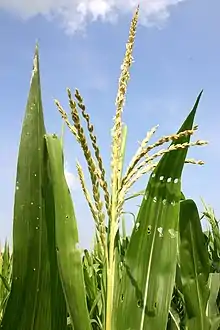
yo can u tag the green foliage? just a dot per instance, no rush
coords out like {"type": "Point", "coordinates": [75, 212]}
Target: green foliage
{"type": "Point", "coordinates": [195, 268]}
{"type": "Point", "coordinates": [66, 236]}
{"type": "Point", "coordinates": [5, 277]}
{"type": "Point", "coordinates": [36, 300]}
{"type": "Point", "coordinates": [150, 262]}
{"type": "Point", "coordinates": [164, 276]}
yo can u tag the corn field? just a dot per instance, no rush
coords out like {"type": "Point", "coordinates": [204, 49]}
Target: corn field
{"type": "Point", "coordinates": [164, 276]}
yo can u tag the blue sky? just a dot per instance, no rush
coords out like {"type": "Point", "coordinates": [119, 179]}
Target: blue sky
{"type": "Point", "coordinates": [176, 55]}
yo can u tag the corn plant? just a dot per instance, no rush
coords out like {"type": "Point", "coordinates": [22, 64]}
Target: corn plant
{"type": "Point", "coordinates": [5, 276]}
{"type": "Point", "coordinates": [213, 237]}
{"type": "Point", "coordinates": [137, 282]}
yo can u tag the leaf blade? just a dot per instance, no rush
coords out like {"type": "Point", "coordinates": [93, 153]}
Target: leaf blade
{"type": "Point", "coordinates": [146, 287]}
{"type": "Point", "coordinates": [68, 253]}
{"type": "Point", "coordinates": [194, 264]}
{"type": "Point", "coordinates": [35, 279]}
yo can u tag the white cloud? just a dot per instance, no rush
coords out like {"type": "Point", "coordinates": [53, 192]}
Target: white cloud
{"type": "Point", "coordinates": [72, 180]}
{"type": "Point", "coordinates": [75, 14]}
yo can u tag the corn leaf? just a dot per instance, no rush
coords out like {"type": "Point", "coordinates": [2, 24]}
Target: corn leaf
{"type": "Point", "coordinates": [174, 321]}
{"type": "Point", "coordinates": [210, 216]}
{"type": "Point", "coordinates": [212, 310]}
{"type": "Point", "coordinates": [36, 300]}
{"type": "Point", "coordinates": [148, 278]}
{"type": "Point", "coordinates": [214, 286]}
{"type": "Point", "coordinates": [68, 252]}
{"type": "Point", "coordinates": [5, 277]}
{"type": "Point", "coordinates": [194, 264]}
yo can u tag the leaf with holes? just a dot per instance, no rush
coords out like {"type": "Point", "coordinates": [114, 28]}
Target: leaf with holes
{"type": "Point", "coordinates": [194, 264]}
{"type": "Point", "coordinates": [68, 252]}
{"type": "Point", "coordinates": [36, 300]}
{"type": "Point", "coordinates": [145, 292]}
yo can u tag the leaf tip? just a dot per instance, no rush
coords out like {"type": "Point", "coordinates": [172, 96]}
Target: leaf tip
{"type": "Point", "coordinates": [36, 46]}
{"type": "Point", "coordinates": [35, 68]}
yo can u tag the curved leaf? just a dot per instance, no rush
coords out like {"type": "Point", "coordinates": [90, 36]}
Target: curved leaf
{"type": "Point", "coordinates": [147, 283]}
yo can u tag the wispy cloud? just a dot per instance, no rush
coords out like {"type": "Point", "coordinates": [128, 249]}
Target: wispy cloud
{"type": "Point", "coordinates": [74, 15]}
{"type": "Point", "coordinates": [71, 178]}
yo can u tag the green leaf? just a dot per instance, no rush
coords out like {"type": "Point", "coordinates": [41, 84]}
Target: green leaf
{"type": "Point", "coordinates": [214, 286]}
{"type": "Point", "coordinates": [36, 300]}
{"type": "Point", "coordinates": [148, 279]}
{"type": "Point", "coordinates": [5, 270]}
{"type": "Point", "coordinates": [210, 216]}
{"type": "Point", "coordinates": [68, 252]}
{"type": "Point", "coordinates": [5, 277]}
{"type": "Point", "coordinates": [194, 264]}
{"type": "Point", "coordinates": [215, 323]}
{"type": "Point", "coordinates": [5, 283]}
{"type": "Point", "coordinates": [174, 322]}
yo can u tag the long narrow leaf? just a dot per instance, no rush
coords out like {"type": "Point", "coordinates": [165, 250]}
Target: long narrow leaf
{"type": "Point", "coordinates": [150, 264]}
{"type": "Point", "coordinates": [68, 252]}
{"type": "Point", "coordinates": [36, 301]}
{"type": "Point", "coordinates": [194, 264]}
{"type": "Point", "coordinates": [212, 310]}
